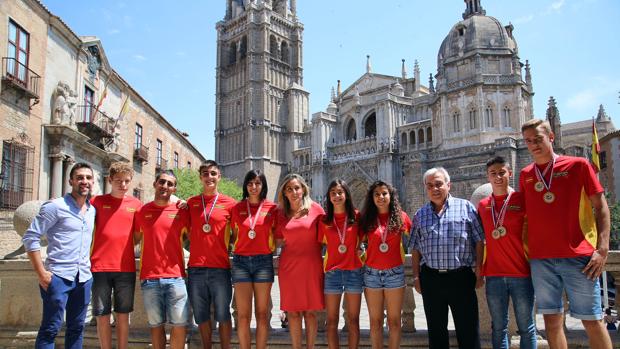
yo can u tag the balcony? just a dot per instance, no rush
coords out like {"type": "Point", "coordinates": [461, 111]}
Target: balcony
{"type": "Point", "coordinates": [141, 153]}
{"type": "Point", "coordinates": [18, 76]}
{"type": "Point", "coordinates": [95, 124]}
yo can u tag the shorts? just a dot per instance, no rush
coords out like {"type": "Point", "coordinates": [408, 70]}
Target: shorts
{"type": "Point", "coordinates": [553, 276]}
{"type": "Point", "coordinates": [117, 285]}
{"type": "Point", "coordinates": [210, 286]}
{"type": "Point", "coordinates": [349, 281]}
{"type": "Point", "coordinates": [165, 301]}
{"type": "Point", "coordinates": [384, 279]}
{"type": "Point", "coordinates": [258, 268]}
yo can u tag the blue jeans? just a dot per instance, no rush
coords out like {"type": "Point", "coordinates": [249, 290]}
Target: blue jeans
{"type": "Point", "coordinates": [209, 286]}
{"type": "Point", "coordinates": [72, 296]}
{"type": "Point", "coordinates": [498, 290]}
{"type": "Point", "coordinates": [165, 301]}
{"type": "Point", "coordinates": [349, 281]}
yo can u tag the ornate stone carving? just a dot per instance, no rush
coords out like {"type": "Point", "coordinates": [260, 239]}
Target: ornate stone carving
{"type": "Point", "coordinates": [65, 102]}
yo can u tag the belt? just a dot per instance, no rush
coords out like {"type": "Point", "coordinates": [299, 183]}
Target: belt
{"type": "Point", "coordinates": [445, 271]}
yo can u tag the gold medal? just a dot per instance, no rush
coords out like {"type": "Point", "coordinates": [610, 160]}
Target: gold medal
{"type": "Point", "coordinates": [539, 186]}
{"type": "Point", "coordinates": [502, 231]}
{"type": "Point", "coordinates": [384, 247]}
{"type": "Point", "coordinates": [206, 227]}
{"type": "Point", "coordinates": [549, 197]}
{"type": "Point", "coordinates": [496, 234]}
{"type": "Point", "coordinates": [342, 248]}
{"type": "Point", "coordinates": [252, 234]}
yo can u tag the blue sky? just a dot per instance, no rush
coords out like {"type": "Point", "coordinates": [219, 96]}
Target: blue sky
{"type": "Point", "coordinates": [167, 49]}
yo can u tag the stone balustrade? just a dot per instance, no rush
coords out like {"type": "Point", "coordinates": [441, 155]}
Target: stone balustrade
{"type": "Point", "coordinates": [20, 314]}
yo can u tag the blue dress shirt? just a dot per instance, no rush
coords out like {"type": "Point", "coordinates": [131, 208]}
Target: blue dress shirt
{"type": "Point", "coordinates": [69, 235]}
{"type": "Point", "coordinates": [447, 241]}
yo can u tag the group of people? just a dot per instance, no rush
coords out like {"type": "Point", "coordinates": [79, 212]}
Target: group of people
{"type": "Point", "coordinates": [531, 245]}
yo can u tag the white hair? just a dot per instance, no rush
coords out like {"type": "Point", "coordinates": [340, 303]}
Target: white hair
{"type": "Point", "coordinates": [432, 171]}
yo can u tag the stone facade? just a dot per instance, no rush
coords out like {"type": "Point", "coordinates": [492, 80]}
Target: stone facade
{"type": "Point", "coordinates": [609, 159]}
{"type": "Point", "coordinates": [394, 128]}
{"type": "Point", "coordinates": [66, 105]}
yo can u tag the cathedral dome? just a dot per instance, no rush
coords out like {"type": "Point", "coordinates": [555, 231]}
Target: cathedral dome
{"type": "Point", "coordinates": [476, 33]}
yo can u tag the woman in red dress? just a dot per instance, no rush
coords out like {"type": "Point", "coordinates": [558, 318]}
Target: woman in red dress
{"type": "Point", "coordinates": [252, 221]}
{"type": "Point", "coordinates": [384, 223]}
{"type": "Point", "coordinates": [339, 231]}
{"type": "Point", "coordinates": [300, 273]}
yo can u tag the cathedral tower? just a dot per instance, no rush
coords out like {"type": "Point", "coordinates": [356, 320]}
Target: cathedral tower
{"type": "Point", "coordinates": [261, 105]}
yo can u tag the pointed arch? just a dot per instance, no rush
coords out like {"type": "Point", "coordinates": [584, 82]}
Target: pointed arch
{"type": "Point", "coordinates": [429, 135]}
{"type": "Point", "coordinates": [350, 133]}
{"type": "Point", "coordinates": [370, 125]}
{"type": "Point", "coordinates": [420, 136]}
{"type": "Point", "coordinates": [284, 52]}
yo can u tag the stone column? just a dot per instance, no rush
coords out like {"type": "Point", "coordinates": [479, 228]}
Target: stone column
{"type": "Point", "coordinates": [56, 175]}
{"type": "Point", "coordinates": [69, 165]}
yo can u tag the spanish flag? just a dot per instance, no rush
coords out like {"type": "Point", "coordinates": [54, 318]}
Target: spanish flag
{"type": "Point", "coordinates": [596, 149]}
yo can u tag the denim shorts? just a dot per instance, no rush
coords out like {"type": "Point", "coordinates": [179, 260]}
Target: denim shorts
{"type": "Point", "coordinates": [552, 276]}
{"type": "Point", "coordinates": [123, 285]}
{"type": "Point", "coordinates": [349, 281]}
{"type": "Point", "coordinates": [165, 301]}
{"type": "Point", "coordinates": [210, 286]}
{"type": "Point", "coordinates": [257, 268]}
{"type": "Point", "coordinates": [386, 278]}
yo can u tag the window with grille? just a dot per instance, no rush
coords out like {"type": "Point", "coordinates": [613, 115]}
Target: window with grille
{"type": "Point", "coordinates": [16, 174]}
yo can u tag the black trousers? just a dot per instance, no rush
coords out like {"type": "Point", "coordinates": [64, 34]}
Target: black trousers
{"type": "Point", "coordinates": [455, 289]}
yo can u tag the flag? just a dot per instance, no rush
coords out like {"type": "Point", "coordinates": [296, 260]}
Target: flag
{"type": "Point", "coordinates": [124, 109]}
{"type": "Point", "coordinates": [104, 94]}
{"type": "Point", "coordinates": [596, 149]}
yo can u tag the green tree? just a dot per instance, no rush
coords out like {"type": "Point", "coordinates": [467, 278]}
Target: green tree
{"type": "Point", "coordinates": [189, 184]}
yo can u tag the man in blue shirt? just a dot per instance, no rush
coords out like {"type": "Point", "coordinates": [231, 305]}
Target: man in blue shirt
{"type": "Point", "coordinates": [65, 278]}
{"type": "Point", "coordinates": [447, 242]}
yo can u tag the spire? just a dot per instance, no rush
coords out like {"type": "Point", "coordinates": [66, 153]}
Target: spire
{"type": "Point", "coordinates": [403, 70]}
{"type": "Point", "coordinates": [431, 86]}
{"type": "Point", "coordinates": [528, 76]}
{"type": "Point", "coordinates": [553, 116]}
{"type": "Point", "coordinates": [294, 7]}
{"type": "Point", "coordinates": [338, 90]}
{"type": "Point", "coordinates": [416, 75]}
{"type": "Point", "coordinates": [602, 114]}
{"type": "Point", "coordinates": [368, 68]}
{"type": "Point", "coordinates": [333, 97]}
{"type": "Point", "coordinates": [473, 7]}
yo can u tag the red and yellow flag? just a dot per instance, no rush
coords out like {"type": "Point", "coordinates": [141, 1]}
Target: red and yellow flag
{"type": "Point", "coordinates": [596, 149]}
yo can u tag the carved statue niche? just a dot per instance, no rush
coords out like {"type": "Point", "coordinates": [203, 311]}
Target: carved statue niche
{"type": "Point", "coordinates": [65, 102]}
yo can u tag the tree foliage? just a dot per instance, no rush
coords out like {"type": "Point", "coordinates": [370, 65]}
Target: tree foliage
{"type": "Point", "coordinates": [614, 239]}
{"type": "Point", "coordinates": [188, 185]}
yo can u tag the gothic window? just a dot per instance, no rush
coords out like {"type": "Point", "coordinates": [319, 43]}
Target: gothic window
{"type": "Point", "coordinates": [370, 125]}
{"type": "Point", "coordinates": [488, 117]}
{"type": "Point", "coordinates": [603, 160]}
{"type": "Point", "coordinates": [18, 47]}
{"type": "Point", "coordinates": [472, 118]}
{"type": "Point", "coordinates": [233, 53]}
{"type": "Point", "coordinates": [351, 132]}
{"type": "Point", "coordinates": [412, 138]}
{"type": "Point", "coordinates": [506, 117]}
{"type": "Point", "coordinates": [403, 142]}
{"type": "Point", "coordinates": [420, 136]}
{"type": "Point", "coordinates": [284, 52]}
{"type": "Point", "coordinates": [273, 46]}
{"type": "Point", "coordinates": [429, 135]}
{"type": "Point", "coordinates": [456, 122]}
{"type": "Point", "coordinates": [243, 47]}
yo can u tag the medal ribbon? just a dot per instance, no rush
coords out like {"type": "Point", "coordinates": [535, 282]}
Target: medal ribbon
{"type": "Point", "coordinates": [204, 211]}
{"type": "Point", "coordinates": [341, 235]}
{"type": "Point", "coordinates": [498, 219]}
{"type": "Point", "coordinates": [382, 230]}
{"type": "Point", "coordinates": [541, 176]}
{"type": "Point", "coordinates": [253, 223]}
